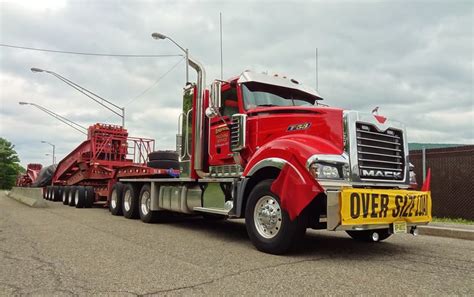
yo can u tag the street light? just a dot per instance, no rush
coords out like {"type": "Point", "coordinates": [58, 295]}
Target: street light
{"type": "Point", "coordinates": [86, 92]}
{"type": "Point", "coordinates": [54, 150]}
{"type": "Point", "coordinates": [159, 36]}
{"type": "Point", "coordinates": [66, 121]}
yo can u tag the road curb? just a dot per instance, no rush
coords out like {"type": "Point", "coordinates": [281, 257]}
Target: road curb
{"type": "Point", "coordinates": [32, 202]}
{"type": "Point", "coordinates": [446, 232]}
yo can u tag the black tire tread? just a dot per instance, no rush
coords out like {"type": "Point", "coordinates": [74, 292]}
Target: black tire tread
{"type": "Point", "coordinates": [163, 155]}
{"type": "Point", "coordinates": [164, 164]}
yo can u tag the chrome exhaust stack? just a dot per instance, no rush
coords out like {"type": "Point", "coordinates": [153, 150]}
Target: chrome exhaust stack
{"type": "Point", "coordinates": [198, 127]}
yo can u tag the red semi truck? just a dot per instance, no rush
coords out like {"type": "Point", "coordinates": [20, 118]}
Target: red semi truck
{"type": "Point", "coordinates": [263, 148]}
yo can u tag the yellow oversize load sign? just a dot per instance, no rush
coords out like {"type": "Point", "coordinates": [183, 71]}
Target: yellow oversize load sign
{"type": "Point", "coordinates": [379, 206]}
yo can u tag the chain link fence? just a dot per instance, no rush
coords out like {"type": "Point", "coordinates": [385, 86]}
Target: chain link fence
{"type": "Point", "coordinates": [452, 179]}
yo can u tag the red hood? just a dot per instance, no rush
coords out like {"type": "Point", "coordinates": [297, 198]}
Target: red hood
{"type": "Point", "coordinates": [269, 123]}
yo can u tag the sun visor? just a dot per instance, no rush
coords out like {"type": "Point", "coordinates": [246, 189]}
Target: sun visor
{"type": "Point", "coordinates": [249, 76]}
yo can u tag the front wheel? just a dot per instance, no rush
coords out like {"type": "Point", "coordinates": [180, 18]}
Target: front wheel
{"type": "Point", "coordinates": [268, 225]}
{"type": "Point", "coordinates": [370, 235]}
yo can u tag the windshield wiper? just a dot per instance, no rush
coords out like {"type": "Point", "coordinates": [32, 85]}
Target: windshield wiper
{"type": "Point", "coordinates": [267, 105]}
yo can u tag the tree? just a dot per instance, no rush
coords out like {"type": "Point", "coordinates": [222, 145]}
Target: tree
{"type": "Point", "coordinates": [9, 164]}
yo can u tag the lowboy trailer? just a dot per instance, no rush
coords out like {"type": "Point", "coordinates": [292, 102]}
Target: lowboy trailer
{"type": "Point", "coordinates": [87, 175]}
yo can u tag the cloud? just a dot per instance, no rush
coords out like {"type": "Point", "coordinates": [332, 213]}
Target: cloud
{"type": "Point", "coordinates": [414, 59]}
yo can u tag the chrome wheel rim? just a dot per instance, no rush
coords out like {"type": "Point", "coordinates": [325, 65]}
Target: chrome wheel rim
{"type": "Point", "coordinates": [127, 201]}
{"type": "Point", "coordinates": [113, 199]}
{"type": "Point", "coordinates": [267, 217]}
{"type": "Point", "coordinates": [76, 198]}
{"type": "Point", "coordinates": [145, 203]}
{"type": "Point", "coordinates": [64, 196]}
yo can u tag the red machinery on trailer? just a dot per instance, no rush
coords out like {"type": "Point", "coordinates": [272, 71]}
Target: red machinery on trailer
{"type": "Point", "coordinates": [26, 179]}
{"type": "Point", "coordinates": [86, 175]}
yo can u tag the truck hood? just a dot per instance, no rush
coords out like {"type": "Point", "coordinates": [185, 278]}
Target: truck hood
{"type": "Point", "coordinates": [324, 124]}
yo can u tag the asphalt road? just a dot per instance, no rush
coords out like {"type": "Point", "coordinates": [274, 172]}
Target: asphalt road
{"type": "Point", "coordinates": [62, 250]}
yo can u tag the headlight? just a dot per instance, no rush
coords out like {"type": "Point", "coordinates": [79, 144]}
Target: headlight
{"type": "Point", "coordinates": [324, 171]}
{"type": "Point", "coordinates": [329, 166]}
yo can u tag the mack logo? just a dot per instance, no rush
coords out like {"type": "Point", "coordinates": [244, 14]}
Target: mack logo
{"type": "Point", "coordinates": [381, 173]}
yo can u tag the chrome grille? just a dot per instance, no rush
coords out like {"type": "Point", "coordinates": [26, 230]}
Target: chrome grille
{"type": "Point", "coordinates": [380, 154]}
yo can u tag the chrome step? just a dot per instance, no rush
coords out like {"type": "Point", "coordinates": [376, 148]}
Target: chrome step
{"type": "Point", "coordinates": [219, 211]}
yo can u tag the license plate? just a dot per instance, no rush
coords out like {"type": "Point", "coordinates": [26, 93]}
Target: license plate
{"type": "Point", "coordinates": [399, 227]}
{"type": "Point", "coordinates": [382, 206]}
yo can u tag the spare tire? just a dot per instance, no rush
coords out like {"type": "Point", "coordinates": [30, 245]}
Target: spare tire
{"type": "Point", "coordinates": [164, 164]}
{"type": "Point", "coordinates": [163, 155]}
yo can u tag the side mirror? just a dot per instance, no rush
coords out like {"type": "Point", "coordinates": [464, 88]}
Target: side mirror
{"type": "Point", "coordinates": [216, 90]}
{"type": "Point", "coordinates": [211, 112]}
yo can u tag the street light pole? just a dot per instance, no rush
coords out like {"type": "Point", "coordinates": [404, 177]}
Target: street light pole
{"type": "Point", "coordinates": [54, 150]}
{"type": "Point", "coordinates": [88, 93]}
{"type": "Point", "coordinates": [66, 121]}
{"type": "Point", "coordinates": [159, 36]}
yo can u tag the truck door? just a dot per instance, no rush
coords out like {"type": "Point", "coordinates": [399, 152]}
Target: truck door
{"type": "Point", "coordinates": [219, 138]}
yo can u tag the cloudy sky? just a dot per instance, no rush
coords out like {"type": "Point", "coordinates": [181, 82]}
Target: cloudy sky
{"type": "Point", "coordinates": [414, 59]}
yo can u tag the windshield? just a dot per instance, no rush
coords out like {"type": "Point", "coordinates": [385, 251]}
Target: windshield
{"type": "Point", "coordinates": [258, 94]}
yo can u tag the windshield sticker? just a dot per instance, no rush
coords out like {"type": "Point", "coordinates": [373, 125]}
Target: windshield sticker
{"type": "Point", "coordinates": [298, 127]}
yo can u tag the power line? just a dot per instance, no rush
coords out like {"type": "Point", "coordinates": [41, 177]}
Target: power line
{"type": "Point", "coordinates": [87, 54]}
{"type": "Point", "coordinates": [152, 86]}
{"type": "Point", "coordinates": [156, 82]}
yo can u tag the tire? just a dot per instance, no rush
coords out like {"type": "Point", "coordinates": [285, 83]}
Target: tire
{"type": "Point", "coordinates": [72, 195]}
{"type": "Point", "coordinates": [146, 215]}
{"type": "Point", "coordinates": [45, 192]}
{"type": "Point", "coordinates": [66, 195]}
{"type": "Point", "coordinates": [48, 193]}
{"type": "Point", "coordinates": [279, 233]}
{"type": "Point", "coordinates": [80, 197]}
{"type": "Point", "coordinates": [89, 196]}
{"type": "Point", "coordinates": [130, 201]}
{"type": "Point", "coordinates": [368, 235]}
{"type": "Point", "coordinates": [163, 155]}
{"type": "Point", "coordinates": [57, 196]}
{"type": "Point", "coordinates": [164, 164]}
{"type": "Point", "coordinates": [115, 199]}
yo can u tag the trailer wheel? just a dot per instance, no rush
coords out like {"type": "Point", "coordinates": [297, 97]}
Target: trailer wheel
{"type": "Point", "coordinates": [268, 225]}
{"type": "Point", "coordinates": [370, 235]}
{"type": "Point", "coordinates": [146, 215]}
{"type": "Point", "coordinates": [89, 196]}
{"type": "Point", "coordinates": [163, 155]}
{"type": "Point", "coordinates": [80, 197]}
{"type": "Point", "coordinates": [72, 195]}
{"type": "Point", "coordinates": [57, 195]}
{"type": "Point", "coordinates": [66, 195]}
{"type": "Point", "coordinates": [164, 164]}
{"type": "Point", "coordinates": [130, 201]}
{"type": "Point", "coordinates": [115, 200]}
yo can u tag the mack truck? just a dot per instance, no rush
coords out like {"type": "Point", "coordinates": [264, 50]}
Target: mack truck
{"type": "Point", "coordinates": [263, 148]}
